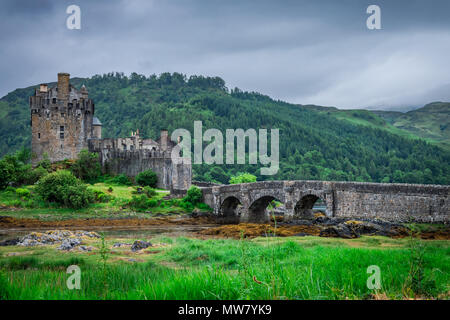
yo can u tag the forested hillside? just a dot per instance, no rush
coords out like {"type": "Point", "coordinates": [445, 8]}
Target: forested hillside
{"type": "Point", "coordinates": [314, 143]}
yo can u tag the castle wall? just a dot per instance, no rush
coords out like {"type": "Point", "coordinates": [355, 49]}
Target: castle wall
{"type": "Point", "coordinates": [62, 122]}
{"type": "Point", "coordinates": [176, 177]}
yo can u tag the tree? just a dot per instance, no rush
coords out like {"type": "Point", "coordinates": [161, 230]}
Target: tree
{"type": "Point", "coordinates": [64, 188]}
{"type": "Point", "coordinates": [147, 178]}
{"type": "Point", "coordinates": [194, 195]}
{"type": "Point", "coordinates": [243, 178]}
{"type": "Point", "coordinates": [87, 166]}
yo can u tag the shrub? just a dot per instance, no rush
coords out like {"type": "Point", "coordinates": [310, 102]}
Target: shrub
{"type": "Point", "coordinates": [37, 174]}
{"type": "Point", "coordinates": [120, 179]}
{"type": "Point", "coordinates": [87, 166]}
{"type": "Point", "coordinates": [100, 196]}
{"type": "Point", "coordinates": [76, 196]}
{"type": "Point", "coordinates": [45, 163]}
{"type": "Point", "coordinates": [149, 192]}
{"type": "Point", "coordinates": [194, 195]}
{"type": "Point", "coordinates": [64, 188]}
{"type": "Point", "coordinates": [142, 202]}
{"type": "Point", "coordinates": [243, 178]}
{"type": "Point", "coordinates": [14, 170]}
{"type": "Point", "coordinates": [204, 206]}
{"type": "Point", "coordinates": [147, 178]}
{"type": "Point", "coordinates": [185, 204]}
{"type": "Point", "coordinates": [6, 173]}
{"type": "Point", "coordinates": [23, 193]}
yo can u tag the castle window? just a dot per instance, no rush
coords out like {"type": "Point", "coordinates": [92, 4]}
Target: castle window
{"type": "Point", "coordinates": [61, 132]}
{"type": "Point", "coordinates": [39, 135]}
{"type": "Point", "coordinates": [54, 100]}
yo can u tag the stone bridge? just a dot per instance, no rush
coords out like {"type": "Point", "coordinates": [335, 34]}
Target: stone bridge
{"type": "Point", "coordinates": [393, 202]}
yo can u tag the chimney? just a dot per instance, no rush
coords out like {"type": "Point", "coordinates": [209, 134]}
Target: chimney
{"type": "Point", "coordinates": [164, 139]}
{"type": "Point", "coordinates": [43, 87]}
{"type": "Point", "coordinates": [63, 86]}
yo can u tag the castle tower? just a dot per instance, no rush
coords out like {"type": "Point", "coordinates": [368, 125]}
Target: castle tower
{"type": "Point", "coordinates": [61, 121]}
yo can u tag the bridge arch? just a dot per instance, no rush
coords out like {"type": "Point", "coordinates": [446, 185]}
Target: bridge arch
{"type": "Point", "coordinates": [229, 209]}
{"type": "Point", "coordinates": [304, 207]}
{"type": "Point", "coordinates": [257, 212]}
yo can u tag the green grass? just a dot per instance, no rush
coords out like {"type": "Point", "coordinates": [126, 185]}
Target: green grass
{"type": "Point", "coordinates": [263, 268]}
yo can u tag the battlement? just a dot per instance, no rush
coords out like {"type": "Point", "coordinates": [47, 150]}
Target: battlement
{"type": "Point", "coordinates": [64, 98]}
{"type": "Point", "coordinates": [62, 121]}
{"type": "Point", "coordinates": [63, 124]}
{"type": "Point", "coordinates": [133, 154]}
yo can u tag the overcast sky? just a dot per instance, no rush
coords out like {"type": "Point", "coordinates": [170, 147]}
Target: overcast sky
{"type": "Point", "coordinates": [307, 52]}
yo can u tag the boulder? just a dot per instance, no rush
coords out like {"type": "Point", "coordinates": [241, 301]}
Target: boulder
{"type": "Point", "coordinates": [69, 244]}
{"type": "Point", "coordinates": [339, 231]}
{"type": "Point", "coordinates": [9, 242]}
{"type": "Point", "coordinates": [121, 244]}
{"type": "Point", "coordinates": [139, 245]}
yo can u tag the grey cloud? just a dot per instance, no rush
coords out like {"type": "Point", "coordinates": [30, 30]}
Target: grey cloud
{"type": "Point", "coordinates": [300, 51]}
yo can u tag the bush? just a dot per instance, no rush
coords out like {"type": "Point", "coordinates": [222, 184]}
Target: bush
{"type": "Point", "coordinates": [45, 163]}
{"type": "Point", "coordinates": [76, 197]}
{"type": "Point", "coordinates": [100, 196]}
{"type": "Point", "coordinates": [23, 193]}
{"type": "Point", "coordinates": [64, 188]}
{"type": "Point", "coordinates": [204, 206]}
{"type": "Point", "coordinates": [37, 174]}
{"type": "Point", "coordinates": [185, 204]}
{"type": "Point", "coordinates": [142, 202]}
{"type": "Point", "coordinates": [87, 166]}
{"type": "Point", "coordinates": [15, 170]}
{"type": "Point", "coordinates": [147, 178]}
{"type": "Point", "coordinates": [120, 179]}
{"type": "Point", "coordinates": [194, 195]}
{"type": "Point", "coordinates": [149, 192]}
{"type": "Point", "coordinates": [6, 173]}
{"type": "Point", "coordinates": [243, 178]}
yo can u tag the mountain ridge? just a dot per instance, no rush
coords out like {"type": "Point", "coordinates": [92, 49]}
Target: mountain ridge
{"type": "Point", "coordinates": [315, 142]}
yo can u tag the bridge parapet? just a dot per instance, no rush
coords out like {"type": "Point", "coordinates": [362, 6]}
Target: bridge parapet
{"type": "Point", "coordinates": [392, 202]}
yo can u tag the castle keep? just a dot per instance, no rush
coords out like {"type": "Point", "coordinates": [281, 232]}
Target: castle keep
{"type": "Point", "coordinates": [63, 123]}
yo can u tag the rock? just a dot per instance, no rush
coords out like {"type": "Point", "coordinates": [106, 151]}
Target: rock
{"type": "Point", "coordinates": [139, 245]}
{"type": "Point", "coordinates": [69, 244]}
{"type": "Point", "coordinates": [199, 213]}
{"type": "Point", "coordinates": [54, 237]}
{"type": "Point", "coordinates": [10, 242]}
{"type": "Point", "coordinates": [121, 244]}
{"type": "Point", "coordinates": [339, 231]}
{"type": "Point", "coordinates": [85, 248]}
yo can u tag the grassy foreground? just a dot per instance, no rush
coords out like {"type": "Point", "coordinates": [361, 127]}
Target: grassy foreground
{"type": "Point", "coordinates": [262, 268]}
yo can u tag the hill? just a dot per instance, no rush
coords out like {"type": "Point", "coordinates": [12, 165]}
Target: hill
{"type": "Point", "coordinates": [315, 142]}
{"type": "Point", "coordinates": [431, 122]}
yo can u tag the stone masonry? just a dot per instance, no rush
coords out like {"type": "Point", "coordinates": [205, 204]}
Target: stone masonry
{"type": "Point", "coordinates": [61, 121]}
{"type": "Point", "coordinates": [391, 202]}
{"type": "Point", "coordinates": [63, 124]}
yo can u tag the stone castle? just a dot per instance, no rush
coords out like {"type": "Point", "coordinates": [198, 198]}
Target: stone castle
{"type": "Point", "coordinates": [63, 124]}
